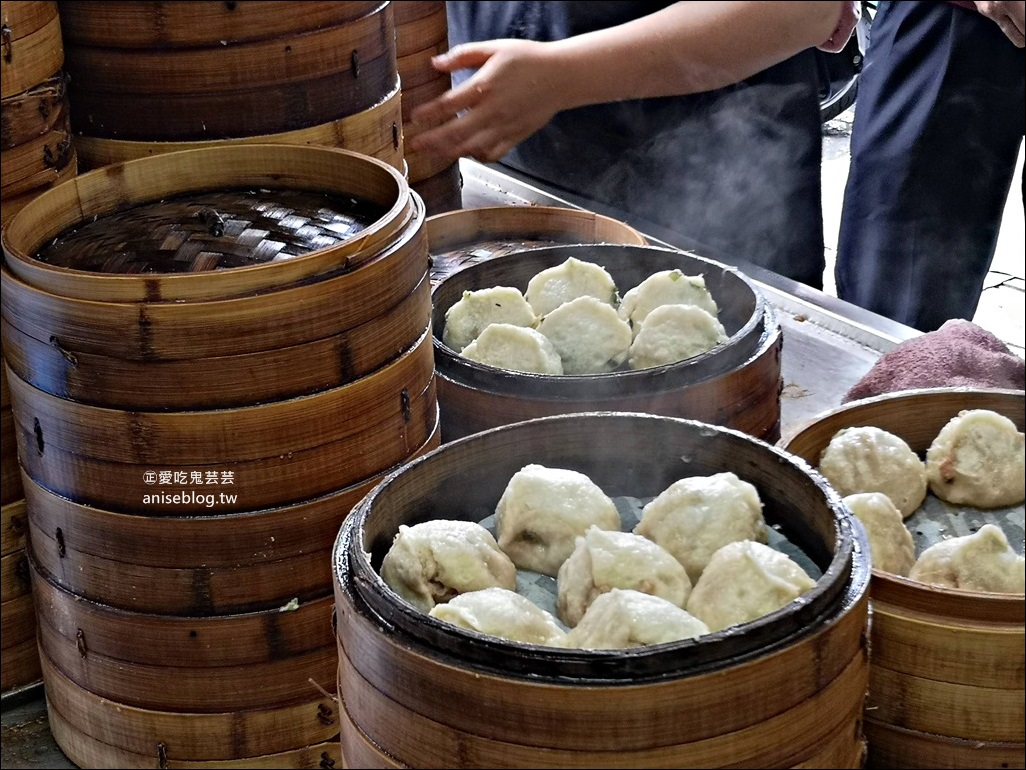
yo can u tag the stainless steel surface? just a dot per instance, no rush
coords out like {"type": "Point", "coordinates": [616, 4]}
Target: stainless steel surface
{"type": "Point", "coordinates": [828, 346]}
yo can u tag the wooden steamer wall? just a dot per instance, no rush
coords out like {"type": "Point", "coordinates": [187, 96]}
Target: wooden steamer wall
{"type": "Point", "coordinates": [154, 77]}
{"type": "Point", "coordinates": [35, 154]}
{"type": "Point", "coordinates": [192, 632]}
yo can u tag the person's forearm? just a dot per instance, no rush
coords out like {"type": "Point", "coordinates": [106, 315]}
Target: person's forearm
{"type": "Point", "coordinates": [687, 47]}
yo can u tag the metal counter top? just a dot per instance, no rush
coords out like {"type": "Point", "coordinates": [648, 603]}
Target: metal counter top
{"type": "Point", "coordinates": [828, 346]}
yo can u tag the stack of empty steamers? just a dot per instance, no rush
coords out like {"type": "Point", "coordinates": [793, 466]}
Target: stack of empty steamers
{"type": "Point", "coordinates": [155, 77]}
{"type": "Point", "coordinates": [35, 154]}
{"type": "Point", "coordinates": [213, 355]}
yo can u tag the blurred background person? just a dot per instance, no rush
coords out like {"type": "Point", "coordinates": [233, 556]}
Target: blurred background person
{"type": "Point", "coordinates": [938, 126]}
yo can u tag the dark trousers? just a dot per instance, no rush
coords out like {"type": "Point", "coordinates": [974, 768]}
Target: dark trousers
{"type": "Point", "coordinates": [938, 125]}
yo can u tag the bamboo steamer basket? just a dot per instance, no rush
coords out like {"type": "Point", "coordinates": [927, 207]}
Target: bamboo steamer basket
{"type": "Point", "coordinates": [946, 682]}
{"type": "Point", "coordinates": [114, 188]}
{"type": "Point", "coordinates": [264, 84]}
{"type": "Point", "coordinates": [10, 475]}
{"type": "Point", "coordinates": [32, 46]}
{"type": "Point", "coordinates": [736, 385]}
{"type": "Point", "coordinates": [375, 131]}
{"type": "Point", "coordinates": [460, 238]}
{"type": "Point", "coordinates": [50, 178]}
{"type": "Point", "coordinates": [417, 692]}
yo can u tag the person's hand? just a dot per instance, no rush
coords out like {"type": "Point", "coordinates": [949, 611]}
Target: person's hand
{"type": "Point", "coordinates": [513, 94]}
{"type": "Point", "coordinates": [1010, 15]}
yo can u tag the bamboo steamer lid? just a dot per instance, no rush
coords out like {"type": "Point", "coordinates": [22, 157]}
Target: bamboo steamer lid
{"type": "Point", "coordinates": [113, 188]}
{"type": "Point", "coordinates": [394, 686]}
{"type": "Point", "coordinates": [946, 682]}
{"type": "Point", "coordinates": [33, 50]}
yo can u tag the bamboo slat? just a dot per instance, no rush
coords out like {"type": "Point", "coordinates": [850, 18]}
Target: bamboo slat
{"type": "Point", "coordinates": [34, 57]}
{"type": "Point", "coordinates": [32, 113]}
{"type": "Point", "coordinates": [13, 527]}
{"type": "Point", "coordinates": [147, 24]}
{"type": "Point", "coordinates": [264, 483]}
{"type": "Point", "coordinates": [369, 132]}
{"type": "Point", "coordinates": [192, 736]}
{"type": "Point", "coordinates": [224, 435]}
{"type": "Point", "coordinates": [946, 682]}
{"type": "Point", "coordinates": [113, 188]}
{"type": "Point", "coordinates": [157, 331]}
{"type": "Point", "coordinates": [20, 665]}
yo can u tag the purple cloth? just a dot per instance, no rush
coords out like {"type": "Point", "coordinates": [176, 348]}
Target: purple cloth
{"type": "Point", "coordinates": [959, 354]}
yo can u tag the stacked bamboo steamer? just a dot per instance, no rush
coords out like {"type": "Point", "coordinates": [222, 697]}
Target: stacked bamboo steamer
{"type": "Point", "coordinates": [421, 32]}
{"type": "Point", "coordinates": [154, 77]}
{"type": "Point", "coordinates": [948, 666]}
{"type": "Point", "coordinates": [35, 154]}
{"type": "Point", "coordinates": [175, 627]}
{"type": "Point", "coordinates": [35, 137]}
{"type": "Point", "coordinates": [785, 690]}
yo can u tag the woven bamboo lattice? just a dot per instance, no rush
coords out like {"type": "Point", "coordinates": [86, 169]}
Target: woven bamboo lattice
{"type": "Point", "coordinates": [211, 231]}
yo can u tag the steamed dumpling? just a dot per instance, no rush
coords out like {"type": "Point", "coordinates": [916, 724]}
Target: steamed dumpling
{"type": "Point", "coordinates": [744, 581]}
{"type": "Point", "coordinates": [543, 510]}
{"type": "Point", "coordinates": [588, 335]}
{"type": "Point", "coordinates": [432, 562]}
{"type": "Point", "coordinates": [672, 333]}
{"type": "Point", "coordinates": [869, 459]}
{"type": "Point", "coordinates": [667, 287]}
{"type": "Point", "coordinates": [981, 562]}
{"type": "Point", "coordinates": [891, 548]}
{"type": "Point", "coordinates": [476, 310]}
{"type": "Point", "coordinates": [553, 286]}
{"type": "Point", "coordinates": [503, 613]}
{"type": "Point", "coordinates": [514, 347]}
{"type": "Point", "coordinates": [696, 516]}
{"type": "Point", "coordinates": [604, 560]}
{"type": "Point", "coordinates": [622, 618]}
{"type": "Point", "coordinates": [978, 459]}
